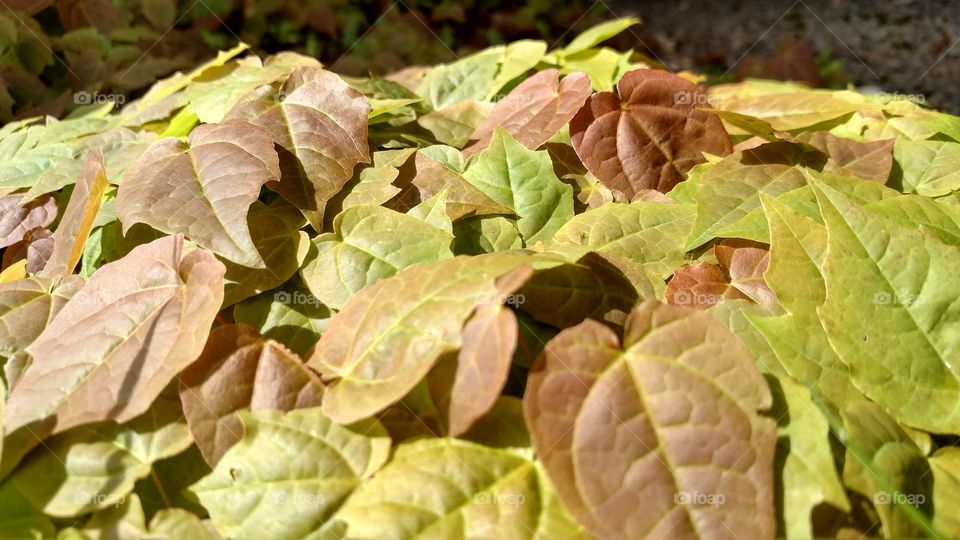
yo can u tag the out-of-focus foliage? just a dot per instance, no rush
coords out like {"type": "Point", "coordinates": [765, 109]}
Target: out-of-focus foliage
{"type": "Point", "coordinates": [57, 55]}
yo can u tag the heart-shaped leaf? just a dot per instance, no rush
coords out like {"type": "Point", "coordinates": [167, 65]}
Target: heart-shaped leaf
{"type": "Point", "coordinates": [646, 422]}
{"type": "Point", "coordinates": [202, 188]}
{"type": "Point", "coordinates": [648, 135]}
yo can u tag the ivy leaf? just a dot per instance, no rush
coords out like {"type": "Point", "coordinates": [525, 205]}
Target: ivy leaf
{"type": "Point", "coordinates": [522, 180]}
{"type": "Point", "coordinates": [319, 126]}
{"type": "Point", "coordinates": [456, 489]}
{"type": "Point", "coordinates": [116, 344]}
{"type": "Point", "coordinates": [369, 243]}
{"type": "Point", "coordinates": [27, 306]}
{"type": "Point", "coordinates": [648, 233]}
{"type": "Point", "coordinates": [473, 379]}
{"type": "Point", "coordinates": [730, 190]}
{"type": "Point", "coordinates": [292, 316]}
{"type": "Point", "coordinates": [77, 220]}
{"type": "Point", "coordinates": [534, 111]}
{"type": "Point", "coordinates": [275, 231]}
{"type": "Point", "coordinates": [298, 460]}
{"type": "Point", "coordinates": [648, 135]}
{"type": "Point", "coordinates": [92, 467]}
{"type": "Point", "coordinates": [388, 336]}
{"type": "Point", "coordinates": [930, 168]}
{"type": "Point", "coordinates": [876, 314]}
{"type": "Point", "coordinates": [202, 188]}
{"type": "Point", "coordinates": [615, 425]}
{"type": "Point", "coordinates": [239, 370]}
{"type": "Point", "coordinates": [18, 217]}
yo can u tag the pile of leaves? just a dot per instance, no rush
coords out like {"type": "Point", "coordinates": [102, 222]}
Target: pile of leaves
{"type": "Point", "coordinates": [53, 50]}
{"type": "Point", "coordinates": [528, 294]}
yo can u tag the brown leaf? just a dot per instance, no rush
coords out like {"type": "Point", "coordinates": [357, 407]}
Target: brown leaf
{"type": "Point", "coordinates": [745, 263]}
{"type": "Point", "coordinates": [431, 177]}
{"type": "Point", "coordinates": [101, 14]}
{"type": "Point", "coordinates": [535, 110]}
{"type": "Point", "coordinates": [660, 438]}
{"type": "Point", "coordinates": [77, 221]}
{"type": "Point", "coordinates": [649, 134]}
{"type": "Point", "coordinates": [481, 367]}
{"type": "Point", "coordinates": [867, 160]}
{"type": "Point", "coordinates": [17, 219]}
{"type": "Point", "coordinates": [116, 344]}
{"type": "Point", "coordinates": [700, 285]}
{"type": "Point", "coordinates": [319, 125]}
{"type": "Point", "coordinates": [241, 370]}
{"type": "Point", "coordinates": [202, 188]}
{"type": "Point", "coordinates": [28, 305]}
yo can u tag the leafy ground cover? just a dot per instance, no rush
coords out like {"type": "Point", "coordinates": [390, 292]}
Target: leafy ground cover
{"type": "Point", "coordinates": [528, 294]}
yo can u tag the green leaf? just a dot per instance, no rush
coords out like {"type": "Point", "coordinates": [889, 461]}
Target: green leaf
{"type": "Point", "coordinates": [804, 460]}
{"type": "Point", "coordinates": [388, 336]}
{"type": "Point", "coordinates": [945, 465]}
{"type": "Point", "coordinates": [369, 243]}
{"type": "Point", "coordinates": [522, 180]}
{"type": "Point", "coordinates": [598, 34]}
{"type": "Point", "coordinates": [275, 231]}
{"type": "Point", "coordinates": [473, 77]}
{"type": "Point", "coordinates": [445, 488]}
{"type": "Point", "coordinates": [485, 234]}
{"type": "Point", "coordinates": [889, 312]}
{"type": "Point", "coordinates": [299, 461]}
{"type": "Point", "coordinates": [930, 168]}
{"type": "Point", "coordinates": [648, 233]}
{"type": "Point", "coordinates": [730, 190]}
{"type": "Point", "coordinates": [93, 467]}
{"type": "Point", "coordinates": [290, 315]}
{"type": "Point", "coordinates": [885, 466]}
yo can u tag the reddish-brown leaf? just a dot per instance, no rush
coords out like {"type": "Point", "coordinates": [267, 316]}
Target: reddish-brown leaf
{"type": "Point", "coordinates": [535, 110]}
{"type": "Point", "coordinates": [202, 188]}
{"type": "Point", "coordinates": [319, 125]}
{"type": "Point", "coordinates": [659, 438]}
{"type": "Point", "coordinates": [745, 263]}
{"type": "Point", "coordinates": [700, 285]}
{"type": "Point", "coordinates": [17, 219]}
{"type": "Point", "coordinates": [648, 134]}
{"type": "Point", "coordinates": [241, 370]}
{"type": "Point", "coordinates": [480, 369]}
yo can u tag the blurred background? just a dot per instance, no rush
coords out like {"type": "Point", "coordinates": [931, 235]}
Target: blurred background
{"type": "Point", "coordinates": [49, 50]}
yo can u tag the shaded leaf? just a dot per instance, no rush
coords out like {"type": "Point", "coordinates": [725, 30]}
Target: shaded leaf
{"type": "Point", "coordinates": [116, 344]}
{"type": "Point", "coordinates": [239, 370]}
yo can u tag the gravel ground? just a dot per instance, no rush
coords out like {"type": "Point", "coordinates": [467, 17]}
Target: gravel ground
{"type": "Point", "coordinates": [906, 46]}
